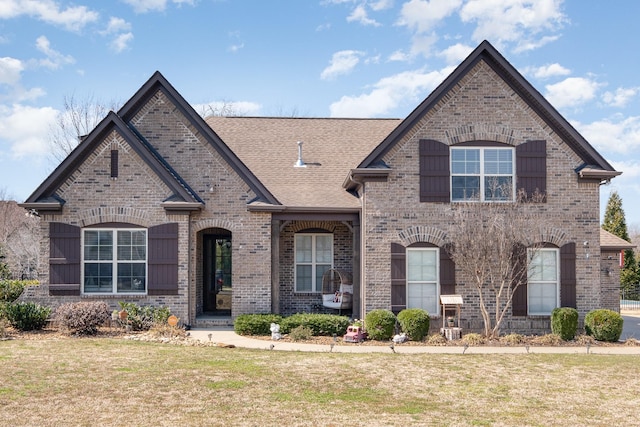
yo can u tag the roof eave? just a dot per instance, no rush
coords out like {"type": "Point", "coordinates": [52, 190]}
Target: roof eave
{"type": "Point", "coordinates": [358, 176]}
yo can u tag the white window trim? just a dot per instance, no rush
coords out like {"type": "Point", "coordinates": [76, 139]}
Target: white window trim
{"type": "Point", "coordinates": [481, 175]}
{"type": "Point", "coordinates": [530, 282]}
{"type": "Point", "coordinates": [114, 261]}
{"type": "Point", "coordinates": [316, 288]}
{"type": "Point", "coordinates": [437, 281]}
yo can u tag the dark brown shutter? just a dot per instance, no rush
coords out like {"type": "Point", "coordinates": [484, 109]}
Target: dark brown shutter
{"type": "Point", "coordinates": [519, 302]}
{"type": "Point", "coordinates": [568, 275]}
{"type": "Point", "coordinates": [531, 167]}
{"type": "Point", "coordinates": [434, 171]}
{"type": "Point", "coordinates": [447, 273]}
{"type": "Point", "coordinates": [163, 260]}
{"type": "Point", "coordinates": [398, 278]}
{"type": "Point", "coordinates": [64, 259]}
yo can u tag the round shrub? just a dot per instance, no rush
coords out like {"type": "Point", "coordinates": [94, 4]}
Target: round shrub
{"type": "Point", "coordinates": [82, 317]}
{"type": "Point", "coordinates": [603, 325]}
{"type": "Point", "coordinates": [319, 324]}
{"type": "Point", "coordinates": [564, 322]}
{"type": "Point", "coordinates": [414, 322]}
{"type": "Point", "coordinates": [380, 324]}
{"type": "Point", "coordinates": [27, 316]}
{"type": "Point", "coordinates": [255, 324]}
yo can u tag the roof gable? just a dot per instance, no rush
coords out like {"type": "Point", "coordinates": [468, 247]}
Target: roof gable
{"type": "Point", "coordinates": [45, 198]}
{"type": "Point", "coordinates": [159, 82]}
{"type": "Point", "coordinates": [486, 52]}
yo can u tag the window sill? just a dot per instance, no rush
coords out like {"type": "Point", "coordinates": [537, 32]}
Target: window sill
{"type": "Point", "coordinates": [113, 296]}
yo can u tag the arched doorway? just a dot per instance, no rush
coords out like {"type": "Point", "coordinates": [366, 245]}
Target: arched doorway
{"type": "Point", "coordinates": [216, 272]}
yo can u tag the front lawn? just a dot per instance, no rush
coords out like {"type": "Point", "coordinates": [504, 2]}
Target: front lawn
{"type": "Point", "coordinates": [111, 381]}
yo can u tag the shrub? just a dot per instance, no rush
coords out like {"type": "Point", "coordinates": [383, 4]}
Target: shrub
{"type": "Point", "coordinates": [603, 325]}
{"type": "Point", "coordinates": [319, 324]}
{"type": "Point", "coordinates": [300, 333]}
{"type": "Point", "coordinates": [255, 324]}
{"type": "Point", "coordinates": [473, 339]}
{"type": "Point", "coordinates": [436, 339]}
{"type": "Point", "coordinates": [10, 290]}
{"type": "Point", "coordinates": [380, 324]}
{"type": "Point", "coordinates": [512, 339]}
{"type": "Point", "coordinates": [82, 317]}
{"type": "Point", "coordinates": [142, 318]}
{"type": "Point", "coordinates": [414, 322]}
{"type": "Point", "coordinates": [27, 316]}
{"type": "Point", "coordinates": [564, 322]}
{"type": "Point", "coordinates": [547, 340]}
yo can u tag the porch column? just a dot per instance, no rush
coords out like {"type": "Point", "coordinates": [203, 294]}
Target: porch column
{"type": "Point", "coordinates": [356, 269]}
{"type": "Point", "coordinates": [275, 266]}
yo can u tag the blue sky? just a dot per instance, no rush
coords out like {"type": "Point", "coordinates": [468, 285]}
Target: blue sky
{"type": "Point", "coordinates": [320, 58]}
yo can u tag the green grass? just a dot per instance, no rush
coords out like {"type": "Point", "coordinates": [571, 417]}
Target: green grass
{"type": "Point", "coordinates": [88, 382]}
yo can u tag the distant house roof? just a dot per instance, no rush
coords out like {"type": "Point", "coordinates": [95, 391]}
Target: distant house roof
{"type": "Point", "coordinates": [611, 242]}
{"type": "Point", "coordinates": [330, 148]}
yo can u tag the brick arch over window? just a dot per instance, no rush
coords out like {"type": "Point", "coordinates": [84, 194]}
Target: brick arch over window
{"type": "Point", "coordinates": [422, 234]}
{"type": "Point", "coordinates": [128, 215]}
{"type": "Point", "coordinates": [482, 132]}
{"type": "Point", "coordinates": [213, 223]}
{"type": "Point", "coordinates": [298, 226]}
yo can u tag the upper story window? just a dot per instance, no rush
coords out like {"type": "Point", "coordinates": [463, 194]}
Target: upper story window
{"type": "Point", "coordinates": [114, 260]}
{"type": "Point", "coordinates": [482, 174]}
{"type": "Point", "coordinates": [314, 256]}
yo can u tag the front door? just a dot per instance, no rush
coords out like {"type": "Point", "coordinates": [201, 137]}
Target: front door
{"type": "Point", "coordinates": [217, 274]}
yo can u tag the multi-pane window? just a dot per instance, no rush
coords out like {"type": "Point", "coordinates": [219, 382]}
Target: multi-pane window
{"type": "Point", "coordinates": [114, 260]}
{"type": "Point", "coordinates": [482, 174]}
{"type": "Point", "coordinates": [543, 281]}
{"type": "Point", "coordinates": [314, 256]}
{"type": "Point", "coordinates": [423, 279]}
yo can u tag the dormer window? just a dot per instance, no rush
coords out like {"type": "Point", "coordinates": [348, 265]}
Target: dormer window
{"type": "Point", "coordinates": [482, 174]}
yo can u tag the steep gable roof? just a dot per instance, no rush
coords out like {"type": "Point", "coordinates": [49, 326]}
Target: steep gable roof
{"type": "Point", "coordinates": [158, 82]}
{"type": "Point", "coordinates": [45, 197]}
{"type": "Point", "coordinates": [594, 163]}
{"type": "Point", "coordinates": [331, 147]}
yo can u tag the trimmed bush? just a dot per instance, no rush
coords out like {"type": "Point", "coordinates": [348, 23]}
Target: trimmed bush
{"type": "Point", "coordinates": [82, 317]}
{"type": "Point", "coordinates": [380, 324]}
{"type": "Point", "coordinates": [319, 324]}
{"type": "Point", "coordinates": [300, 333]}
{"type": "Point", "coordinates": [10, 290]}
{"type": "Point", "coordinates": [142, 318]}
{"type": "Point", "coordinates": [603, 325]}
{"type": "Point", "coordinates": [414, 322]}
{"type": "Point", "coordinates": [564, 322]}
{"type": "Point", "coordinates": [255, 324]}
{"type": "Point", "coordinates": [27, 316]}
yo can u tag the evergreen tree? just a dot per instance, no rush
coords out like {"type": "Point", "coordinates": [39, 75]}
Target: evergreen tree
{"type": "Point", "coordinates": [615, 223]}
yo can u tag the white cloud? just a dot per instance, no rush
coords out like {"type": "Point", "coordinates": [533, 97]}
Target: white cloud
{"type": "Point", "coordinates": [549, 70]}
{"type": "Point", "coordinates": [455, 54]}
{"type": "Point", "coordinates": [73, 18]}
{"type": "Point", "coordinates": [389, 93]}
{"type": "Point", "coordinates": [26, 129]}
{"type": "Point", "coordinates": [359, 14]}
{"type": "Point", "coordinates": [121, 42]}
{"type": "Point", "coordinates": [235, 47]}
{"type": "Point", "coordinates": [10, 70]}
{"type": "Point", "coordinates": [342, 62]}
{"type": "Point", "coordinates": [571, 92]}
{"type": "Point", "coordinates": [620, 97]}
{"type": "Point", "coordinates": [613, 135]}
{"type": "Point", "coordinates": [518, 21]}
{"type": "Point", "coordinates": [54, 59]}
{"type": "Point", "coordinates": [144, 6]}
{"type": "Point", "coordinates": [117, 25]}
{"type": "Point", "coordinates": [381, 5]}
{"type": "Point", "coordinates": [423, 16]}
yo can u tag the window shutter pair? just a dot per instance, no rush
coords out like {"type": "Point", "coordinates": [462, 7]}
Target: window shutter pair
{"type": "Point", "coordinates": [64, 259]}
{"type": "Point", "coordinates": [567, 282]}
{"type": "Point", "coordinates": [399, 276]}
{"type": "Point", "coordinates": [531, 169]}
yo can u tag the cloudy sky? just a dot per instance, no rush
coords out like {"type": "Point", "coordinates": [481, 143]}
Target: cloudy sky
{"type": "Point", "coordinates": [340, 58]}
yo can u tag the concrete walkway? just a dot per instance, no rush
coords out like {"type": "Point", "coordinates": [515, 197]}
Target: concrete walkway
{"type": "Point", "coordinates": [225, 336]}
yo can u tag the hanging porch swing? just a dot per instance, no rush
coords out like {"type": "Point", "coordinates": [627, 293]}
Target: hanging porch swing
{"type": "Point", "coordinates": [337, 289]}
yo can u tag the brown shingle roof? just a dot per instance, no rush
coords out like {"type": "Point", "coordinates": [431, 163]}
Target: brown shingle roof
{"type": "Point", "coordinates": [331, 148]}
{"type": "Point", "coordinates": [612, 242]}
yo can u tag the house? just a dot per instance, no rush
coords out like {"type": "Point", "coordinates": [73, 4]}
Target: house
{"type": "Point", "coordinates": [233, 215]}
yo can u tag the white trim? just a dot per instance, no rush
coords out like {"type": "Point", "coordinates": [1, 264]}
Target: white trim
{"type": "Point", "coordinates": [435, 282]}
{"type": "Point", "coordinates": [555, 282]}
{"type": "Point", "coordinates": [482, 175]}
{"type": "Point", "coordinates": [316, 288]}
{"type": "Point", "coordinates": [114, 260]}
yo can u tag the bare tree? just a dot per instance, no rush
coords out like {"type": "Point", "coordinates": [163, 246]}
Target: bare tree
{"type": "Point", "coordinates": [490, 245]}
{"type": "Point", "coordinates": [79, 118]}
{"type": "Point", "coordinates": [19, 237]}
